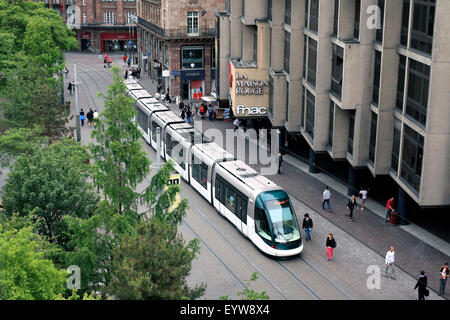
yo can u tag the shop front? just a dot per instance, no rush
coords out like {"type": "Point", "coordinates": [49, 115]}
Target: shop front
{"type": "Point", "coordinates": [86, 42]}
{"type": "Point", "coordinates": [192, 84]}
{"type": "Point", "coordinates": [118, 41]}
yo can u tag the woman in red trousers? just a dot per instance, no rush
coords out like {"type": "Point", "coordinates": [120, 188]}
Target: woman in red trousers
{"type": "Point", "coordinates": [330, 244]}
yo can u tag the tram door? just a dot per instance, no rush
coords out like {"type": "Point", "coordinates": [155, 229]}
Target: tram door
{"type": "Point", "coordinates": [241, 212]}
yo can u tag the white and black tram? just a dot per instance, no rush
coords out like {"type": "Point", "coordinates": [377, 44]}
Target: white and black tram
{"type": "Point", "coordinates": [256, 206]}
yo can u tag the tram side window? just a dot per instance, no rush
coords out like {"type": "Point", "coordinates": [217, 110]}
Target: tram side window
{"type": "Point", "coordinates": [143, 120]}
{"type": "Point", "coordinates": [242, 208]}
{"type": "Point", "coordinates": [200, 172]}
{"type": "Point", "coordinates": [169, 144]}
{"type": "Point", "coordinates": [220, 190]}
{"type": "Point", "coordinates": [230, 202]}
{"type": "Point", "coordinates": [180, 158]}
{"type": "Point", "coordinates": [154, 126]}
{"type": "Point", "coordinates": [261, 224]}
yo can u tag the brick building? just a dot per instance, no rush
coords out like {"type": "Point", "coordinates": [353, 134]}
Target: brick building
{"type": "Point", "coordinates": [100, 25]}
{"type": "Point", "coordinates": [176, 44]}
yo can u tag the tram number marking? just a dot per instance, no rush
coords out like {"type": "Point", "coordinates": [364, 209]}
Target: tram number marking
{"type": "Point", "coordinates": [246, 309]}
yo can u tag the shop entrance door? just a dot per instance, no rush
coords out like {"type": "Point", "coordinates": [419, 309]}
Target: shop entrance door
{"type": "Point", "coordinates": [185, 90]}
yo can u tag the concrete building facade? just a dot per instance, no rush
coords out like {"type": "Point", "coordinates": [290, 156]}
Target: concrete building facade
{"type": "Point", "coordinates": [177, 44]}
{"type": "Point", "coordinates": [362, 82]}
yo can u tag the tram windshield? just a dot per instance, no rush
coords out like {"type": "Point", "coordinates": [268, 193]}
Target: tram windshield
{"type": "Point", "coordinates": [282, 216]}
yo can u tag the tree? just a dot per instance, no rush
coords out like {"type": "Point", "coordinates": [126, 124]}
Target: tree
{"type": "Point", "coordinates": [154, 264]}
{"type": "Point", "coordinates": [24, 272]}
{"type": "Point", "coordinates": [49, 184]}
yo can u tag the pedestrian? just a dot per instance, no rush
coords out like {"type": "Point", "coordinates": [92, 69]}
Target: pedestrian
{"type": "Point", "coordinates": [181, 106]}
{"type": "Point", "coordinates": [443, 276]}
{"type": "Point", "coordinates": [280, 161]}
{"type": "Point", "coordinates": [389, 209]}
{"type": "Point", "coordinates": [351, 205]}
{"type": "Point", "coordinates": [66, 72]}
{"type": "Point", "coordinates": [129, 62]}
{"type": "Point", "coordinates": [331, 245]}
{"type": "Point", "coordinates": [236, 123]}
{"type": "Point", "coordinates": [389, 261]}
{"type": "Point", "coordinates": [108, 61]}
{"type": "Point", "coordinates": [188, 114]}
{"type": "Point", "coordinates": [326, 198]}
{"type": "Point", "coordinates": [82, 117]}
{"type": "Point", "coordinates": [158, 88]}
{"type": "Point", "coordinates": [90, 117]}
{"type": "Point", "coordinates": [202, 111]}
{"type": "Point", "coordinates": [70, 87]}
{"type": "Point", "coordinates": [125, 75]}
{"type": "Point", "coordinates": [197, 108]}
{"type": "Point", "coordinates": [210, 112]}
{"type": "Point", "coordinates": [183, 113]}
{"type": "Point", "coordinates": [363, 197]}
{"type": "Point", "coordinates": [307, 225]}
{"type": "Point", "coordinates": [133, 72]}
{"type": "Point", "coordinates": [124, 60]}
{"type": "Point", "coordinates": [138, 72]}
{"type": "Point", "coordinates": [422, 285]}
{"type": "Point", "coordinates": [167, 98]}
{"type": "Point", "coordinates": [95, 115]}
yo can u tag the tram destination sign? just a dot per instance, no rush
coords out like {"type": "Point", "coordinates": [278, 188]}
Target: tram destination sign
{"type": "Point", "coordinates": [246, 86]}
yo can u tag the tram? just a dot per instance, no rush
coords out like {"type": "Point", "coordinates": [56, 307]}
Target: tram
{"type": "Point", "coordinates": [256, 206]}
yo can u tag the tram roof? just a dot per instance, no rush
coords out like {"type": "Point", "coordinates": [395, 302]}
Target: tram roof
{"type": "Point", "coordinates": [130, 80]}
{"type": "Point", "coordinates": [139, 94]}
{"type": "Point", "coordinates": [168, 116]}
{"type": "Point", "coordinates": [147, 101]}
{"type": "Point", "coordinates": [214, 151]}
{"type": "Point", "coordinates": [248, 176]}
{"type": "Point", "coordinates": [134, 86]}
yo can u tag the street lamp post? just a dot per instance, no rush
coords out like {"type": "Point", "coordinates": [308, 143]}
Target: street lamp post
{"type": "Point", "coordinates": [77, 113]}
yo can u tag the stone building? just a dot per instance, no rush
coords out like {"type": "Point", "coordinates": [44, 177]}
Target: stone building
{"type": "Point", "coordinates": [176, 44]}
{"type": "Point", "coordinates": [361, 85]}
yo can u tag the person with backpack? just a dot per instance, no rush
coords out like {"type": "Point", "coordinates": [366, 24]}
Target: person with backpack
{"type": "Point", "coordinates": [129, 62]}
{"type": "Point", "coordinates": [307, 225]}
{"type": "Point", "coordinates": [330, 244]}
{"type": "Point", "coordinates": [90, 116]}
{"type": "Point", "coordinates": [236, 123]}
{"type": "Point", "coordinates": [351, 205]}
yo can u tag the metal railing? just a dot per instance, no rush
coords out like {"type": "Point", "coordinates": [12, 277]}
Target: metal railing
{"type": "Point", "coordinates": [178, 33]}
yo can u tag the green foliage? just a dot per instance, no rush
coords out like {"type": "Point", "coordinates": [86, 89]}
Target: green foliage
{"type": "Point", "coordinates": [154, 264]}
{"type": "Point", "coordinates": [250, 294]}
{"type": "Point", "coordinates": [50, 184]}
{"type": "Point", "coordinates": [24, 272]}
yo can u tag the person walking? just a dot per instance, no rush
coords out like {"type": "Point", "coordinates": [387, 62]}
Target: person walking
{"type": "Point", "coordinates": [236, 123]}
{"type": "Point", "coordinates": [124, 60]}
{"type": "Point", "coordinates": [389, 261]}
{"type": "Point", "coordinates": [181, 106]}
{"type": "Point", "coordinates": [82, 117]}
{"type": "Point", "coordinates": [158, 88]}
{"type": "Point", "coordinates": [95, 115]}
{"type": "Point", "coordinates": [202, 111]}
{"type": "Point", "coordinates": [188, 114]}
{"type": "Point", "coordinates": [443, 276]}
{"type": "Point", "coordinates": [363, 196]}
{"type": "Point", "coordinates": [280, 161]}
{"type": "Point", "coordinates": [129, 62]}
{"type": "Point", "coordinates": [307, 225]}
{"type": "Point", "coordinates": [389, 208]}
{"type": "Point", "coordinates": [197, 108]}
{"type": "Point", "coordinates": [351, 205]}
{"type": "Point", "coordinates": [70, 87]}
{"type": "Point", "coordinates": [90, 116]}
{"type": "Point", "coordinates": [183, 114]}
{"type": "Point", "coordinates": [125, 75]}
{"type": "Point", "coordinates": [66, 72]}
{"type": "Point", "coordinates": [422, 285]}
{"type": "Point", "coordinates": [331, 245]}
{"type": "Point", "coordinates": [210, 112]}
{"type": "Point", "coordinates": [326, 198]}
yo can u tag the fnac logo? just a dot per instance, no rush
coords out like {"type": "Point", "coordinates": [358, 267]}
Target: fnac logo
{"type": "Point", "coordinates": [230, 75]}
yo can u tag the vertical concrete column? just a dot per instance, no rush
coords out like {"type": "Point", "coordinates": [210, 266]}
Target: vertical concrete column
{"type": "Point", "coordinates": [235, 27]}
{"type": "Point", "coordinates": [277, 36]}
{"type": "Point", "coordinates": [247, 41]}
{"type": "Point", "coordinates": [224, 46]}
{"type": "Point", "coordinates": [312, 161]}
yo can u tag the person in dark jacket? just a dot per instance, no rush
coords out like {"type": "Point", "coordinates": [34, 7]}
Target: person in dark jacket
{"type": "Point", "coordinates": [330, 244]}
{"type": "Point", "coordinates": [307, 225]}
{"type": "Point", "coordinates": [90, 116]}
{"type": "Point", "coordinates": [351, 204]}
{"type": "Point", "coordinates": [422, 285]}
{"type": "Point", "coordinates": [280, 161]}
{"type": "Point", "coordinates": [183, 113]}
{"type": "Point", "coordinates": [70, 87]}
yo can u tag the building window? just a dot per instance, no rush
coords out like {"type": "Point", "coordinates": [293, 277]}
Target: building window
{"type": "Point", "coordinates": [314, 15]}
{"type": "Point", "coordinates": [376, 78]}
{"type": "Point", "coordinates": [302, 111]}
{"type": "Point", "coordinates": [336, 71]}
{"type": "Point", "coordinates": [412, 157]}
{"type": "Point", "coordinates": [310, 110]}
{"type": "Point", "coordinates": [287, 50]}
{"type": "Point", "coordinates": [306, 14]}
{"type": "Point", "coordinates": [287, 101]}
{"type": "Point", "coordinates": [418, 84]}
{"type": "Point", "coordinates": [84, 2]}
{"type": "Point", "coordinates": [192, 22]}
{"type": "Point", "coordinates": [312, 61]}
{"type": "Point", "coordinates": [255, 44]}
{"type": "Point", "coordinates": [213, 56]}
{"type": "Point", "coordinates": [131, 16]}
{"type": "Point", "coordinates": [379, 33]}
{"type": "Point", "coordinates": [287, 12]}
{"type": "Point", "coordinates": [110, 17]}
{"type": "Point", "coordinates": [373, 136]}
{"type": "Point", "coordinates": [357, 19]}
{"type": "Point", "coordinates": [305, 48]}
{"type": "Point", "coordinates": [396, 146]}
{"type": "Point", "coordinates": [423, 25]}
{"type": "Point", "coordinates": [351, 132]}
{"type": "Point", "coordinates": [405, 23]}
{"type": "Point", "coordinates": [336, 18]}
{"type": "Point", "coordinates": [401, 83]}
{"type": "Point", "coordinates": [84, 17]}
{"type": "Point", "coordinates": [192, 57]}
{"type": "Point", "coordinates": [331, 125]}
{"type": "Point", "coordinates": [269, 10]}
